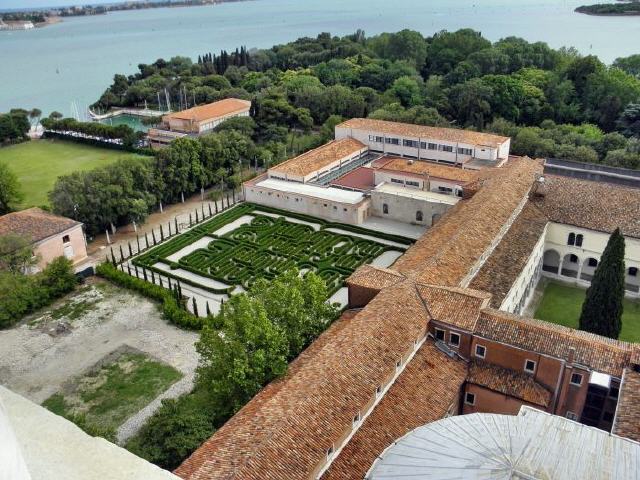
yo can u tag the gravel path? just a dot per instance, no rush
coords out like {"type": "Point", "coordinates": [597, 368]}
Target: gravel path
{"type": "Point", "coordinates": [36, 361]}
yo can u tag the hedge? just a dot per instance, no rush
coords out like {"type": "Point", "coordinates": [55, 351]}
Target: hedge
{"type": "Point", "coordinates": [171, 309]}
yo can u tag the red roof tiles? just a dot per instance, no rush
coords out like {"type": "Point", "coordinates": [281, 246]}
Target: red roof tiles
{"type": "Point", "coordinates": [35, 223]}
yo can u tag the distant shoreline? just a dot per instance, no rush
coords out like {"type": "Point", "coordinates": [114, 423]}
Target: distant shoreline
{"type": "Point", "coordinates": [620, 9]}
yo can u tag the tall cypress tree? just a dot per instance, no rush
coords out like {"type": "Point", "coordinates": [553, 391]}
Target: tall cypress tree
{"type": "Point", "coordinates": [602, 307]}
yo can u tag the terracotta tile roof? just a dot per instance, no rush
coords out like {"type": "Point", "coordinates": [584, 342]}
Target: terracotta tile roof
{"type": "Point", "coordinates": [627, 419]}
{"type": "Point", "coordinates": [594, 205]}
{"type": "Point", "coordinates": [320, 157]}
{"type": "Point", "coordinates": [423, 168]}
{"type": "Point", "coordinates": [508, 382]}
{"type": "Point", "coordinates": [424, 392]}
{"type": "Point", "coordinates": [509, 258]}
{"type": "Point", "coordinates": [446, 253]}
{"type": "Point", "coordinates": [35, 223]}
{"type": "Point", "coordinates": [455, 306]}
{"type": "Point", "coordinates": [211, 111]}
{"type": "Point", "coordinates": [285, 430]}
{"type": "Point", "coordinates": [598, 353]}
{"type": "Point", "coordinates": [421, 131]}
{"type": "Point", "coordinates": [376, 278]}
{"type": "Point", "coordinates": [361, 178]}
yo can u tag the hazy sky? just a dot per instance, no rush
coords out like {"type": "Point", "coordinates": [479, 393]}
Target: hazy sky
{"type": "Point", "coordinates": [48, 3]}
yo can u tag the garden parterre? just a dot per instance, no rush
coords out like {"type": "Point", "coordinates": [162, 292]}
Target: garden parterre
{"type": "Point", "coordinates": [268, 245]}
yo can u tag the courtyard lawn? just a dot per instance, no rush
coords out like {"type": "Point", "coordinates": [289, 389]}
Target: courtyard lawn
{"type": "Point", "coordinates": [104, 398]}
{"type": "Point", "coordinates": [39, 163]}
{"type": "Point", "coordinates": [562, 304]}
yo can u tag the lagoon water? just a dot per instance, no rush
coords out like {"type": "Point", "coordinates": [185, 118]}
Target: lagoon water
{"type": "Point", "coordinates": [71, 63]}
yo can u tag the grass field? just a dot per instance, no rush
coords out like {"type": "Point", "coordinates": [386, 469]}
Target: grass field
{"type": "Point", "coordinates": [562, 304]}
{"type": "Point", "coordinates": [102, 400]}
{"type": "Point", "coordinates": [39, 163]}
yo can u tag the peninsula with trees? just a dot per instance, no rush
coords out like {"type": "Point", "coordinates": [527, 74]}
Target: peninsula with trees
{"type": "Point", "coordinates": [621, 8]}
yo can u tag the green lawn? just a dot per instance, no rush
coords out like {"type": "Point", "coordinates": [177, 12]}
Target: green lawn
{"type": "Point", "coordinates": [39, 162]}
{"type": "Point", "coordinates": [103, 399]}
{"type": "Point", "coordinates": [562, 304]}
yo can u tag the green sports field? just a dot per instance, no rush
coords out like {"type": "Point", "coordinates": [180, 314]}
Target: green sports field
{"type": "Point", "coordinates": [39, 162]}
{"type": "Point", "coordinates": [562, 304]}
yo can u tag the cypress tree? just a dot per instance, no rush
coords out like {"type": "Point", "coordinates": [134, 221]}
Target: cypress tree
{"type": "Point", "coordinates": [602, 307]}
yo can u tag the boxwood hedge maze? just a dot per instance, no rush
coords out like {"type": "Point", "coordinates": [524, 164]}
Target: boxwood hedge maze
{"type": "Point", "coordinates": [265, 245]}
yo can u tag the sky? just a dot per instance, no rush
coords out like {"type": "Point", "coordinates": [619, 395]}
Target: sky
{"type": "Point", "coordinates": [48, 3]}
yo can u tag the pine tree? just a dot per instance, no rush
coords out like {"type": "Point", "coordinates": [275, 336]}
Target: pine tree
{"type": "Point", "coordinates": [602, 307]}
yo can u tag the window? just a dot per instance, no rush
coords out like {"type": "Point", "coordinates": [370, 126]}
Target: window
{"type": "Point", "coordinates": [66, 239]}
{"type": "Point", "coordinates": [398, 364]}
{"type": "Point", "coordinates": [446, 148]}
{"type": "Point", "coordinates": [573, 258]}
{"type": "Point", "coordinates": [335, 208]}
{"type": "Point", "coordinates": [607, 417]}
{"type": "Point", "coordinates": [397, 180]}
{"type": "Point", "coordinates": [423, 145]}
{"type": "Point", "coordinates": [613, 392]}
{"type": "Point", "coordinates": [439, 334]}
{"type": "Point", "coordinates": [454, 339]}
{"type": "Point", "coordinates": [392, 141]}
{"type": "Point", "coordinates": [344, 209]}
{"type": "Point", "coordinates": [465, 151]}
{"type": "Point", "coordinates": [432, 146]}
{"type": "Point", "coordinates": [576, 379]}
{"type": "Point", "coordinates": [572, 416]}
{"type": "Point", "coordinates": [469, 398]}
{"type": "Point", "coordinates": [529, 366]}
{"type": "Point", "coordinates": [593, 262]}
{"type": "Point", "coordinates": [579, 239]}
{"type": "Point", "coordinates": [378, 390]}
{"type": "Point", "coordinates": [329, 452]}
{"type": "Point", "coordinates": [411, 183]}
{"type": "Point", "coordinates": [324, 204]}
{"type": "Point", "coordinates": [380, 139]}
{"type": "Point", "coordinates": [356, 418]}
{"type": "Point", "coordinates": [481, 351]}
{"type": "Point", "coordinates": [633, 271]}
{"type": "Point", "coordinates": [572, 239]}
{"type": "Point", "coordinates": [385, 208]}
{"type": "Point", "coordinates": [410, 143]}
{"type": "Point", "coordinates": [418, 216]}
{"type": "Point", "coordinates": [445, 189]}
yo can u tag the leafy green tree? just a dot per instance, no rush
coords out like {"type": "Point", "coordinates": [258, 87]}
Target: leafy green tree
{"type": "Point", "coordinates": [603, 305]}
{"type": "Point", "coordinates": [408, 91]}
{"type": "Point", "coordinates": [10, 192]}
{"type": "Point", "coordinates": [630, 64]}
{"type": "Point", "coordinates": [297, 305]}
{"type": "Point", "coordinates": [16, 253]}
{"type": "Point", "coordinates": [246, 353]}
{"type": "Point", "coordinates": [629, 121]}
{"type": "Point", "coordinates": [471, 102]}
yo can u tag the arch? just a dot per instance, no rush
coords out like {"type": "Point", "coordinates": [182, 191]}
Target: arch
{"type": "Point", "coordinates": [419, 216]}
{"type": "Point", "coordinates": [434, 218]}
{"type": "Point", "coordinates": [570, 265]}
{"type": "Point", "coordinates": [551, 261]}
{"type": "Point", "coordinates": [385, 208]}
{"type": "Point", "coordinates": [588, 269]}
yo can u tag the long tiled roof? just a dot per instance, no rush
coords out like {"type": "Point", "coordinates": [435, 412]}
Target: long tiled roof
{"type": "Point", "coordinates": [211, 111]}
{"type": "Point", "coordinates": [598, 353]}
{"type": "Point", "coordinates": [446, 254]}
{"type": "Point", "coordinates": [508, 382]}
{"type": "Point", "coordinates": [285, 430]}
{"type": "Point", "coordinates": [593, 205]}
{"type": "Point", "coordinates": [420, 167]}
{"type": "Point", "coordinates": [35, 223]}
{"type": "Point", "coordinates": [507, 261]}
{"type": "Point", "coordinates": [320, 157]}
{"type": "Point", "coordinates": [627, 420]}
{"type": "Point", "coordinates": [375, 278]}
{"type": "Point", "coordinates": [455, 306]}
{"type": "Point", "coordinates": [424, 392]}
{"type": "Point", "coordinates": [423, 132]}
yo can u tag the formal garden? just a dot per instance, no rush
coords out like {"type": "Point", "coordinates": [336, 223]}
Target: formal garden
{"type": "Point", "coordinates": [229, 252]}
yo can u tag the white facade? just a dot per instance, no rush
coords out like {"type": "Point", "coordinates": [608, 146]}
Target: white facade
{"type": "Point", "coordinates": [418, 182]}
{"type": "Point", "coordinates": [433, 149]}
{"type": "Point", "coordinates": [409, 205]}
{"type": "Point", "coordinates": [572, 253]}
{"type": "Point", "coordinates": [329, 203]}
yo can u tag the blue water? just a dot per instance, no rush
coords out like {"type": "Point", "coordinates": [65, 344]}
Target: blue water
{"type": "Point", "coordinates": [74, 61]}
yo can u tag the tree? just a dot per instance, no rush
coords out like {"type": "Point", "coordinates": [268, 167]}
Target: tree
{"type": "Point", "coordinates": [602, 307]}
{"type": "Point", "coordinates": [244, 355]}
{"type": "Point", "coordinates": [10, 193]}
{"type": "Point", "coordinates": [629, 121]}
{"type": "Point", "coordinates": [16, 253]}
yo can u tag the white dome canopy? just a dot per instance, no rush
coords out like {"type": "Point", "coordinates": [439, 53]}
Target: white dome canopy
{"type": "Point", "coordinates": [532, 445]}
